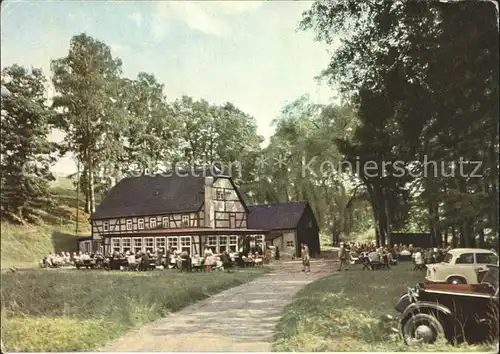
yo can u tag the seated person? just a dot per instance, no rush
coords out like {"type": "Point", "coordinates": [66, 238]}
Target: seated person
{"type": "Point", "coordinates": [374, 256]}
{"type": "Point", "coordinates": [131, 260]}
{"type": "Point", "coordinates": [85, 257]}
{"type": "Point", "coordinates": [405, 252]}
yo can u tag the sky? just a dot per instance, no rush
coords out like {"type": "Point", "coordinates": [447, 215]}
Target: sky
{"type": "Point", "coordinates": [249, 53]}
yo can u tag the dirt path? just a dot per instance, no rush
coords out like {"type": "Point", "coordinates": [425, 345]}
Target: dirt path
{"type": "Point", "coordinates": [241, 319]}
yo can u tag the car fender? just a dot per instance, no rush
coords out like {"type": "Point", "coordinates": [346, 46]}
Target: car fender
{"type": "Point", "coordinates": [422, 307]}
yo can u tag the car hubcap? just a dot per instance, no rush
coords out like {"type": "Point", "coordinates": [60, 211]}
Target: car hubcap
{"type": "Point", "coordinates": [424, 333]}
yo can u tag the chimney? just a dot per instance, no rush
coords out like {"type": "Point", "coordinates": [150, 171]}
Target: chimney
{"type": "Point", "coordinates": [209, 202]}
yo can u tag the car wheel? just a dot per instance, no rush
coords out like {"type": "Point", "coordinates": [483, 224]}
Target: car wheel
{"type": "Point", "coordinates": [423, 328]}
{"type": "Point", "coordinates": [456, 280]}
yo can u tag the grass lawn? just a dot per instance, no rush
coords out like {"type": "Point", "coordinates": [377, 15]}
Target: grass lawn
{"type": "Point", "coordinates": [341, 312]}
{"type": "Point", "coordinates": [23, 246]}
{"type": "Point", "coordinates": [79, 310]}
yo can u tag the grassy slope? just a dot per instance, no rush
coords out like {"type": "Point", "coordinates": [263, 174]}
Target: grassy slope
{"type": "Point", "coordinates": [22, 246]}
{"type": "Point", "coordinates": [341, 313]}
{"type": "Point", "coordinates": [78, 310]}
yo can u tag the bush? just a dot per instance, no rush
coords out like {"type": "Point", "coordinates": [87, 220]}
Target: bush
{"type": "Point", "coordinates": [70, 310]}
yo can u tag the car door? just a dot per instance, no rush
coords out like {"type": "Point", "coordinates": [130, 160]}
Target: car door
{"type": "Point", "coordinates": [465, 266]}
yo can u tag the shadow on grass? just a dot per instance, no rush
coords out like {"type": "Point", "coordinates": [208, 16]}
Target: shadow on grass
{"type": "Point", "coordinates": [64, 242]}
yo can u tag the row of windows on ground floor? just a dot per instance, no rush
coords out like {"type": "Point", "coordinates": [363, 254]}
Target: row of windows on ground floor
{"type": "Point", "coordinates": [217, 244]}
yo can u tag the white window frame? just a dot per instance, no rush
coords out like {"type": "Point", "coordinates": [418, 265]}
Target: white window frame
{"type": "Point", "coordinates": [116, 246]}
{"type": "Point", "coordinates": [105, 226]}
{"type": "Point", "coordinates": [129, 225]}
{"type": "Point", "coordinates": [219, 194]}
{"type": "Point", "coordinates": [173, 242]}
{"type": "Point", "coordinates": [259, 240]}
{"type": "Point", "coordinates": [165, 222]}
{"type": "Point", "coordinates": [123, 246]}
{"type": "Point", "coordinates": [136, 247]}
{"type": "Point", "coordinates": [161, 245]}
{"type": "Point", "coordinates": [149, 244]}
{"type": "Point", "coordinates": [233, 243]}
{"type": "Point", "coordinates": [213, 245]}
{"type": "Point", "coordinates": [183, 218]}
{"type": "Point", "coordinates": [185, 242]}
{"type": "Point", "coordinates": [152, 223]}
{"type": "Point", "coordinates": [140, 224]}
{"type": "Point", "coordinates": [223, 244]}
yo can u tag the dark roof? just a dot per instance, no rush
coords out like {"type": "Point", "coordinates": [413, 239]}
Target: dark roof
{"type": "Point", "coordinates": [275, 216]}
{"type": "Point", "coordinates": [153, 195]}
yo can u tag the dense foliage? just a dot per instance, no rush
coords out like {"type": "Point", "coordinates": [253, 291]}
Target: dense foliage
{"type": "Point", "coordinates": [423, 77]}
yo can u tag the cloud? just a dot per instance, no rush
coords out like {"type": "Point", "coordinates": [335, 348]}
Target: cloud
{"type": "Point", "coordinates": [136, 18]}
{"type": "Point", "coordinates": [208, 17]}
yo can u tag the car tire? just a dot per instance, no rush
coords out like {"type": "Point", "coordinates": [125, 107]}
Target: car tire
{"type": "Point", "coordinates": [423, 328]}
{"type": "Point", "coordinates": [456, 280]}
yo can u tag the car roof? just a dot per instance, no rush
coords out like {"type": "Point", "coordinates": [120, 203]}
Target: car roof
{"type": "Point", "coordinates": [455, 251]}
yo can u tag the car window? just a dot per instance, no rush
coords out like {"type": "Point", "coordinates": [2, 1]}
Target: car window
{"type": "Point", "coordinates": [486, 258]}
{"type": "Point", "coordinates": [447, 258]}
{"type": "Point", "coordinates": [466, 258]}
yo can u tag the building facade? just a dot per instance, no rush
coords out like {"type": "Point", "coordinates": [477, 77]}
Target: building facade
{"type": "Point", "coordinates": [179, 212]}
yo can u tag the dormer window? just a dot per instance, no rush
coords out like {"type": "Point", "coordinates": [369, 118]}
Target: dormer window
{"type": "Point", "coordinates": [129, 225]}
{"type": "Point", "coordinates": [105, 226]}
{"type": "Point", "coordinates": [152, 223]}
{"type": "Point", "coordinates": [165, 222]}
{"type": "Point", "coordinates": [140, 224]}
{"type": "Point", "coordinates": [219, 193]}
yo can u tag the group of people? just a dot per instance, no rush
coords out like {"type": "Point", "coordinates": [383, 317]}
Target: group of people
{"type": "Point", "coordinates": [168, 259]}
{"type": "Point", "coordinates": [54, 260]}
{"type": "Point", "coordinates": [351, 251]}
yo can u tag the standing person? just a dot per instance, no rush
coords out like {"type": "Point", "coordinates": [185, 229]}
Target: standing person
{"type": "Point", "coordinates": [343, 257]}
{"type": "Point", "coordinates": [305, 258]}
{"type": "Point", "coordinates": [277, 254]}
{"type": "Point", "coordinates": [227, 263]}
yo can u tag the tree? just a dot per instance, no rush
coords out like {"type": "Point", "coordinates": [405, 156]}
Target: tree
{"type": "Point", "coordinates": [151, 137]}
{"type": "Point", "coordinates": [26, 154]}
{"type": "Point", "coordinates": [86, 84]}
{"type": "Point", "coordinates": [424, 78]}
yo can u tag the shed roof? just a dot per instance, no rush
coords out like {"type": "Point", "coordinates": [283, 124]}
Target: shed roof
{"type": "Point", "coordinates": [276, 216]}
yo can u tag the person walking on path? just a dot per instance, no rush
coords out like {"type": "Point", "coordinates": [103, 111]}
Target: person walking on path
{"type": "Point", "coordinates": [343, 257]}
{"type": "Point", "coordinates": [305, 258]}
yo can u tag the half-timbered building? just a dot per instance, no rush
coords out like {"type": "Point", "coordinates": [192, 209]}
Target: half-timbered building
{"type": "Point", "coordinates": [186, 212]}
{"type": "Point", "coordinates": [179, 211]}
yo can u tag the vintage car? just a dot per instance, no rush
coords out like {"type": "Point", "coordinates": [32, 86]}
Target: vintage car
{"type": "Point", "coordinates": [431, 313]}
{"type": "Point", "coordinates": [458, 266]}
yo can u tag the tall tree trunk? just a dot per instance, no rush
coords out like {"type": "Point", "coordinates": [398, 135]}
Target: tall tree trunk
{"type": "Point", "coordinates": [455, 242]}
{"type": "Point", "coordinates": [481, 238]}
{"type": "Point", "coordinates": [493, 157]}
{"type": "Point", "coordinates": [387, 218]}
{"type": "Point", "coordinates": [91, 191]}
{"type": "Point", "coordinates": [77, 195]}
